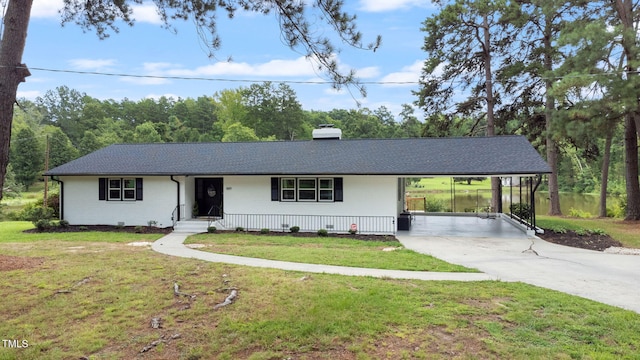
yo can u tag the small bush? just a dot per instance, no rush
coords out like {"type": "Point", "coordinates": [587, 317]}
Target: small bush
{"type": "Point", "coordinates": [43, 224]}
{"type": "Point", "coordinates": [239, 229]}
{"type": "Point", "coordinates": [138, 229]}
{"type": "Point", "coordinates": [64, 224]}
{"type": "Point", "coordinates": [434, 205]}
{"type": "Point", "coordinates": [353, 232]}
{"type": "Point", "coordinates": [211, 229]}
{"type": "Point", "coordinates": [579, 213]}
{"type": "Point", "coordinates": [83, 228]}
{"type": "Point", "coordinates": [264, 231]}
{"type": "Point", "coordinates": [521, 210]}
{"type": "Point", "coordinates": [294, 229]}
{"type": "Point", "coordinates": [323, 233]}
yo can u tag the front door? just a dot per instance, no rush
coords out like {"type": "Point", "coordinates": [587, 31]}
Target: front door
{"type": "Point", "coordinates": [209, 196]}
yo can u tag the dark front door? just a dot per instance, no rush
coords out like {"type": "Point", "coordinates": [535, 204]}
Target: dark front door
{"type": "Point", "coordinates": [209, 196]}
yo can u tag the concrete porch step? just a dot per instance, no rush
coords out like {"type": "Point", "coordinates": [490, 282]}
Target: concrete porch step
{"type": "Point", "coordinates": [191, 226]}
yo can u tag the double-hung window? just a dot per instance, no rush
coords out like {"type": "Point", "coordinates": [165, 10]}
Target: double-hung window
{"type": "Point", "coordinates": [325, 189]}
{"type": "Point", "coordinates": [288, 189]}
{"type": "Point", "coordinates": [307, 189]}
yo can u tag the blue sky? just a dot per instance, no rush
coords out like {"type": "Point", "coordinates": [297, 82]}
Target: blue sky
{"type": "Point", "coordinates": [251, 41]}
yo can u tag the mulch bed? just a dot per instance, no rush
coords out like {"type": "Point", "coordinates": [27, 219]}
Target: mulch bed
{"type": "Point", "coordinates": [107, 228]}
{"type": "Point", "coordinates": [571, 238]}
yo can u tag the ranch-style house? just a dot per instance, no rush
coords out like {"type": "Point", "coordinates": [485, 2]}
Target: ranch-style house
{"type": "Point", "coordinates": [324, 183]}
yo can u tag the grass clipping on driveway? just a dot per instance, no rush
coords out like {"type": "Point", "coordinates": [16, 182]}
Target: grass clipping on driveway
{"type": "Point", "coordinates": [100, 299]}
{"type": "Point", "coordinates": [323, 250]}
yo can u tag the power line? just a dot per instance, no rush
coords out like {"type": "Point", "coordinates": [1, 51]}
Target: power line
{"type": "Point", "coordinates": [167, 77]}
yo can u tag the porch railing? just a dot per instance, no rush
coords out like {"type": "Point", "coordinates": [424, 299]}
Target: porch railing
{"type": "Point", "coordinates": [311, 223]}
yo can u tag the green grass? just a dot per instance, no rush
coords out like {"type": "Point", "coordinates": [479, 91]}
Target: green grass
{"type": "Point", "coordinates": [624, 231]}
{"type": "Point", "coordinates": [440, 184]}
{"type": "Point", "coordinates": [323, 250]}
{"type": "Point", "coordinates": [13, 231]}
{"type": "Point", "coordinates": [278, 315]}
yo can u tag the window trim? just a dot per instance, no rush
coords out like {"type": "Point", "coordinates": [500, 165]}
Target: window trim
{"type": "Point", "coordinates": [330, 190]}
{"type": "Point", "coordinates": [292, 189]}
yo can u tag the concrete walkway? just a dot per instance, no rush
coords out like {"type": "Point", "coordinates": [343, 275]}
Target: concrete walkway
{"type": "Point", "coordinates": [172, 244]}
{"type": "Point", "coordinates": [608, 278]}
{"type": "Point", "coordinates": [612, 279]}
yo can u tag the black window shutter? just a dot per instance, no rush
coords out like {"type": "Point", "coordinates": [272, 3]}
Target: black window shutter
{"type": "Point", "coordinates": [102, 188]}
{"type": "Point", "coordinates": [138, 188]}
{"type": "Point", "coordinates": [337, 189]}
{"type": "Point", "coordinates": [275, 189]}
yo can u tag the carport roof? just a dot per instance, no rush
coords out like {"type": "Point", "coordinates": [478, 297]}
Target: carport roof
{"type": "Point", "coordinates": [464, 156]}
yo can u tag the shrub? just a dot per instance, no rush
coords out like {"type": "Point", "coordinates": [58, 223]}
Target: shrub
{"type": "Point", "coordinates": [323, 233]}
{"type": "Point", "coordinates": [294, 229]}
{"type": "Point", "coordinates": [83, 228]}
{"type": "Point", "coordinates": [434, 205]}
{"type": "Point", "coordinates": [64, 224]}
{"type": "Point", "coordinates": [352, 231]}
{"type": "Point", "coordinates": [138, 229]}
{"type": "Point", "coordinates": [239, 229]}
{"type": "Point", "coordinates": [521, 210]}
{"type": "Point", "coordinates": [579, 213]}
{"type": "Point", "coordinates": [211, 229]}
{"type": "Point", "coordinates": [43, 224]}
{"type": "Point", "coordinates": [264, 231]}
{"type": "Point", "coordinates": [33, 213]}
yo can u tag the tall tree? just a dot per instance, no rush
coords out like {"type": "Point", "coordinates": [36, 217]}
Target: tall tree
{"type": "Point", "coordinates": [273, 110]}
{"type": "Point", "coordinates": [298, 23]}
{"type": "Point", "coordinates": [462, 41]}
{"type": "Point", "coordinates": [27, 157]}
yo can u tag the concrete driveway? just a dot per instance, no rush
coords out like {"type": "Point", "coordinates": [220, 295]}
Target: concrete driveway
{"type": "Point", "coordinates": [608, 278]}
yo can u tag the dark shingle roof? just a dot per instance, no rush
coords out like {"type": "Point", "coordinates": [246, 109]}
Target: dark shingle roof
{"type": "Point", "coordinates": [498, 155]}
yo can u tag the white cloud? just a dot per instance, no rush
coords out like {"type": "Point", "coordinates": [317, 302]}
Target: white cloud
{"type": "Point", "coordinates": [368, 72]}
{"type": "Point", "coordinates": [46, 8]}
{"type": "Point", "coordinates": [152, 74]}
{"type": "Point", "coordinates": [391, 5]}
{"type": "Point", "coordinates": [147, 13]}
{"type": "Point", "coordinates": [298, 67]}
{"type": "Point", "coordinates": [408, 76]}
{"type": "Point", "coordinates": [92, 64]}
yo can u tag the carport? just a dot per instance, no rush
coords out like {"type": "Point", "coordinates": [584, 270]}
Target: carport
{"type": "Point", "coordinates": [512, 159]}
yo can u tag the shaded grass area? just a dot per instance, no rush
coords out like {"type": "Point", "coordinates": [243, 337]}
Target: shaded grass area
{"type": "Point", "coordinates": [320, 250]}
{"type": "Point", "coordinates": [624, 231]}
{"type": "Point", "coordinates": [114, 290]}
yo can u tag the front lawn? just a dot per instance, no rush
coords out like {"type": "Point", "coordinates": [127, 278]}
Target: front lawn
{"type": "Point", "coordinates": [324, 250]}
{"type": "Point", "coordinates": [74, 298]}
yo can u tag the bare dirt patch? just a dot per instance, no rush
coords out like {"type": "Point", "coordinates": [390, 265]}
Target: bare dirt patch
{"type": "Point", "coordinates": [8, 263]}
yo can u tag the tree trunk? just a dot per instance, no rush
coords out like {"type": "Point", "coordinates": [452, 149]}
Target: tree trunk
{"type": "Point", "coordinates": [496, 198]}
{"type": "Point", "coordinates": [606, 159]}
{"type": "Point", "coordinates": [631, 166]}
{"type": "Point", "coordinates": [549, 107]}
{"type": "Point", "coordinates": [12, 72]}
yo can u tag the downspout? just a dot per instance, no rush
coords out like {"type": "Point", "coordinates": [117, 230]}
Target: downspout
{"type": "Point", "coordinates": [178, 198]}
{"type": "Point", "coordinates": [60, 198]}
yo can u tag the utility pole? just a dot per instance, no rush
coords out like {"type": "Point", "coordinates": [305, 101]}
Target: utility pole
{"type": "Point", "coordinates": [46, 179]}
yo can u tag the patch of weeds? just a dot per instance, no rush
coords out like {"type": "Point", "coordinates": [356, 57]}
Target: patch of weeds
{"type": "Point", "coordinates": [138, 229]}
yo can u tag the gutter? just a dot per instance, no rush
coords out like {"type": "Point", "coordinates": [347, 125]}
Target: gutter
{"type": "Point", "coordinates": [178, 198]}
{"type": "Point", "coordinates": [60, 197]}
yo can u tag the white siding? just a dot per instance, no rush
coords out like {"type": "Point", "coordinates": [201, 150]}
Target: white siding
{"type": "Point", "coordinates": [81, 205]}
{"type": "Point", "coordinates": [362, 195]}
